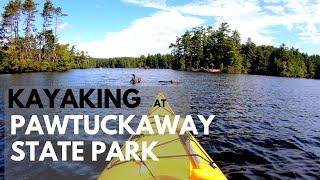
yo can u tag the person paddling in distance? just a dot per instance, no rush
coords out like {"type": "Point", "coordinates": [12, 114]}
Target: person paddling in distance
{"type": "Point", "coordinates": [135, 79]}
{"type": "Point", "coordinates": [169, 82]}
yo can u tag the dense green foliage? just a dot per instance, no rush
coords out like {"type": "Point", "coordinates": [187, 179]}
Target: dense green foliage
{"type": "Point", "coordinates": [206, 48]}
{"type": "Point", "coordinates": [28, 50]}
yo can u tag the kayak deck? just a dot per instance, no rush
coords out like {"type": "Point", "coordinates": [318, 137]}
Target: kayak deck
{"type": "Point", "coordinates": [180, 156]}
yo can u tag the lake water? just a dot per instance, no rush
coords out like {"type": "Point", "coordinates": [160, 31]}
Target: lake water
{"type": "Point", "coordinates": [265, 127]}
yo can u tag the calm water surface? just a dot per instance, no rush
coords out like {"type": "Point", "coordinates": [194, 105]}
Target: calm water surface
{"type": "Point", "coordinates": [265, 127]}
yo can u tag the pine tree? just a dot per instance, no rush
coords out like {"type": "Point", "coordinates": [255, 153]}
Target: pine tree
{"type": "Point", "coordinates": [47, 15]}
{"type": "Point", "coordinates": [57, 15]}
{"type": "Point", "coordinates": [250, 63]}
{"type": "Point", "coordinates": [29, 10]}
{"type": "Point", "coordinates": [10, 26]}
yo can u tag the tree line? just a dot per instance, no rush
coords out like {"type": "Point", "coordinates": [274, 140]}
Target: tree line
{"type": "Point", "coordinates": [204, 49]}
{"type": "Point", "coordinates": [24, 49]}
{"type": "Point", "coordinates": [157, 61]}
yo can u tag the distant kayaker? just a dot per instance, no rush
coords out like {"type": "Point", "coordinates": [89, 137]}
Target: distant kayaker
{"type": "Point", "coordinates": [135, 79]}
{"type": "Point", "coordinates": [171, 81]}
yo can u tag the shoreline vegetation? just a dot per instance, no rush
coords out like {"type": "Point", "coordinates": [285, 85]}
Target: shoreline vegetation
{"type": "Point", "coordinates": [24, 49]}
{"type": "Point", "coordinates": [205, 49]}
{"type": "Point", "coordinates": [220, 50]}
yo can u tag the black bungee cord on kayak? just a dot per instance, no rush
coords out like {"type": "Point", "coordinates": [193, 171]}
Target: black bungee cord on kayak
{"type": "Point", "coordinates": [145, 165]}
{"type": "Point", "coordinates": [211, 163]}
{"type": "Point", "coordinates": [203, 152]}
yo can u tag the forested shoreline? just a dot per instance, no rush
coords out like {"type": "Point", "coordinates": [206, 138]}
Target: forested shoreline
{"type": "Point", "coordinates": [202, 49]}
{"type": "Point", "coordinates": [221, 48]}
{"type": "Point", "coordinates": [23, 48]}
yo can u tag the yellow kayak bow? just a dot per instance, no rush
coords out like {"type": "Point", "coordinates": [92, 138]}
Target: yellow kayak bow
{"type": "Point", "coordinates": [180, 156]}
